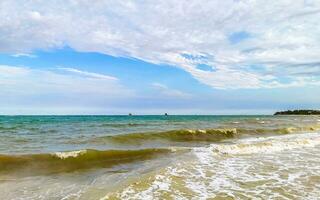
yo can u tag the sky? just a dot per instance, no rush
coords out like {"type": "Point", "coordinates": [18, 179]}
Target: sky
{"type": "Point", "coordinates": [155, 57]}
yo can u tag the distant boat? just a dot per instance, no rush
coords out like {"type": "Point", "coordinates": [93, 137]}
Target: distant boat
{"type": "Point", "coordinates": [130, 114]}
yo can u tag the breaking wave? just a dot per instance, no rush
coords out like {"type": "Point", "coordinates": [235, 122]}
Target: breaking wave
{"type": "Point", "coordinates": [210, 135]}
{"type": "Point", "coordinates": [74, 160]}
{"type": "Point", "coordinates": [282, 130]}
{"type": "Point", "coordinates": [174, 135]}
{"type": "Point", "coordinates": [268, 145]}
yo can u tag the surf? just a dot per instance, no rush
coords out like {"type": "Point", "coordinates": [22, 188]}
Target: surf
{"type": "Point", "coordinates": [268, 144]}
{"type": "Point", "coordinates": [202, 135]}
{"type": "Point", "coordinates": [59, 162]}
{"type": "Point", "coordinates": [183, 135]}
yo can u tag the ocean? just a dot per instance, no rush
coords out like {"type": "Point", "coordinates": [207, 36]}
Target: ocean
{"type": "Point", "coordinates": [159, 157]}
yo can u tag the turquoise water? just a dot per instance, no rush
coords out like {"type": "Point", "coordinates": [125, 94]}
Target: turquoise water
{"type": "Point", "coordinates": [159, 157]}
{"type": "Point", "coordinates": [27, 134]}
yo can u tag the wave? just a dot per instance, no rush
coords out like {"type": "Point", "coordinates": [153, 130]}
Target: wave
{"type": "Point", "coordinates": [116, 125]}
{"type": "Point", "coordinates": [209, 135]}
{"type": "Point", "coordinates": [282, 130]}
{"type": "Point", "coordinates": [268, 145]}
{"type": "Point", "coordinates": [174, 135]}
{"type": "Point", "coordinates": [58, 162]}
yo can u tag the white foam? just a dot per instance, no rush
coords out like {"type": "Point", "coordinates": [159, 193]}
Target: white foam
{"type": "Point", "coordinates": [268, 145]}
{"type": "Point", "coordinates": [160, 184]}
{"type": "Point", "coordinates": [69, 154]}
{"type": "Point", "coordinates": [210, 174]}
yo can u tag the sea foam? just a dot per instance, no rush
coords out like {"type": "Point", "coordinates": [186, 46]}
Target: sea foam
{"type": "Point", "coordinates": [268, 145]}
{"type": "Point", "coordinates": [70, 154]}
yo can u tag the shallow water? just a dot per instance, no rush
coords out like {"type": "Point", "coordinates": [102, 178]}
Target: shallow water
{"type": "Point", "coordinates": [159, 157]}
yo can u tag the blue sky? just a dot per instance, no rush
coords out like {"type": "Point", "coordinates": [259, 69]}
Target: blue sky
{"type": "Point", "coordinates": [175, 57]}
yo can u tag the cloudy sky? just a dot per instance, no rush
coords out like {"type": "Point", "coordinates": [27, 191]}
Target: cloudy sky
{"type": "Point", "coordinates": [151, 57]}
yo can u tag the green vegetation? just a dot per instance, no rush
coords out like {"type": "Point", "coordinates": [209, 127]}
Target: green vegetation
{"type": "Point", "coordinates": [298, 112]}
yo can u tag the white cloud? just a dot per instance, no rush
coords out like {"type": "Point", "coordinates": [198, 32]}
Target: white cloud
{"type": "Point", "coordinates": [17, 55]}
{"type": "Point", "coordinates": [88, 74]}
{"type": "Point", "coordinates": [165, 91]}
{"type": "Point", "coordinates": [22, 86]}
{"type": "Point", "coordinates": [283, 34]}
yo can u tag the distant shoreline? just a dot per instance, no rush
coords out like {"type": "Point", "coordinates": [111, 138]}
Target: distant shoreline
{"type": "Point", "coordinates": [298, 112]}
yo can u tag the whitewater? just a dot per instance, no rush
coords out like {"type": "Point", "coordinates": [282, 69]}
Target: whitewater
{"type": "Point", "coordinates": [160, 157]}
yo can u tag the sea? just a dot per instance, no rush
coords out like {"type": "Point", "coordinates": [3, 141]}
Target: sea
{"type": "Point", "coordinates": [159, 157]}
